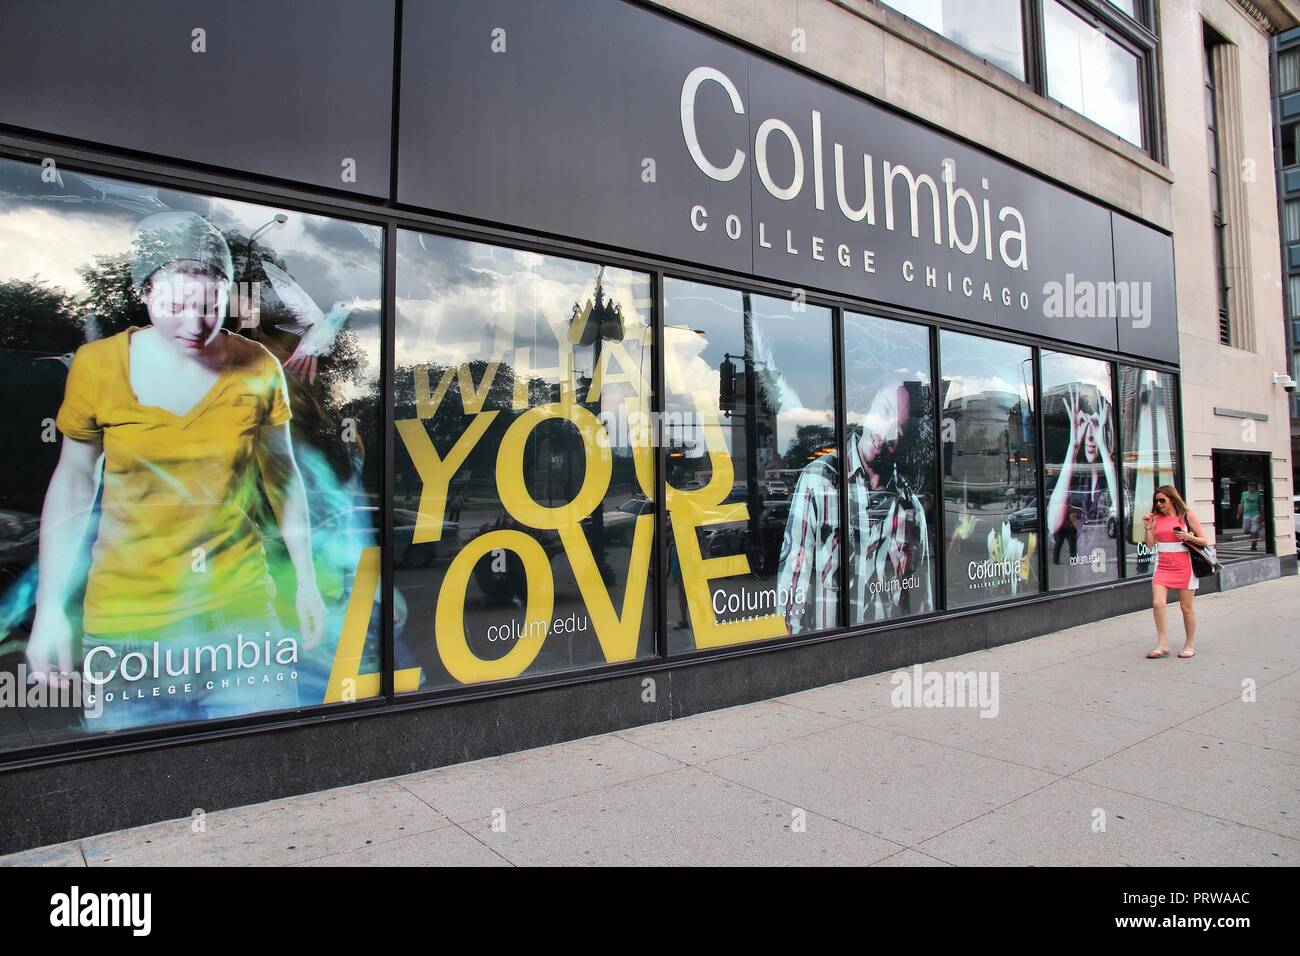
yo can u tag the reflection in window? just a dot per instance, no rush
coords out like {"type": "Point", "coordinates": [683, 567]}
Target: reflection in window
{"type": "Point", "coordinates": [988, 28]}
{"type": "Point", "coordinates": [750, 392]}
{"type": "Point", "coordinates": [1092, 74]}
{"type": "Point", "coordinates": [1079, 474]}
{"type": "Point", "coordinates": [1291, 220]}
{"type": "Point", "coordinates": [1148, 431]}
{"type": "Point", "coordinates": [1241, 505]}
{"type": "Point", "coordinates": [990, 469]}
{"type": "Point", "coordinates": [890, 437]}
{"type": "Point", "coordinates": [224, 358]}
{"type": "Point", "coordinates": [1288, 71]}
{"type": "Point", "coordinates": [1290, 138]}
{"type": "Point", "coordinates": [523, 520]}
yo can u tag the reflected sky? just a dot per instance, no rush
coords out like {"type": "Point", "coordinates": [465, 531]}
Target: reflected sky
{"type": "Point", "coordinates": [877, 350]}
{"type": "Point", "coordinates": [1061, 368]}
{"type": "Point", "coordinates": [1092, 74]}
{"type": "Point", "coordinates": [50, 230]}
{"type": "Point", "coordinates": [989, 28]}
{"type": "Point", "coordinates": [974, 367]}
{"type": "Point", "coordinates": [460, 301]}
{"type": "Point", "coordinates": [791, 351]}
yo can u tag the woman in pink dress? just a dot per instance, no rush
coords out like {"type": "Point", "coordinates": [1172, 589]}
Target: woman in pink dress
{"type": "Point", "coordinates": [1169, 526]}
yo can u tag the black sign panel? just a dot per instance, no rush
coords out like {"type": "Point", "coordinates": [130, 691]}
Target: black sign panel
{"type": "Point", "coordinates": [1144, 273]}
{"type": "Point", "coordinates": [297, 89]}
{"type": "Point", "coordinates": [553, 115]}
{"type": "Point", "coordinates": [615, 124]}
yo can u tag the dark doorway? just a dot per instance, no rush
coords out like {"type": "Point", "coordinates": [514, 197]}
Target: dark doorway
{"type": "Point", "coordinates": [1242, 507]}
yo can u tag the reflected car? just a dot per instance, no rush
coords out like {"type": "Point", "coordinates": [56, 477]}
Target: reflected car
{"type": "Point", "coordinates": [620, 524]}
{"type": "Point", "coordinates": [1024, 520]}
{"type": "Point", "coordinates": [759, 541]}
{"type": "Point", "coordinates": [426, 553]}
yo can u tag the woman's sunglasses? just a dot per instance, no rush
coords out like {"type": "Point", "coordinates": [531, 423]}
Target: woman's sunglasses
{"type": "Point", "coordinates": [1161, 501]}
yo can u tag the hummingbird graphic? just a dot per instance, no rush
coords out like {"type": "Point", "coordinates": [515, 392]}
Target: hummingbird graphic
{"type": "Point", "coordinates": [65, 358]}
{"type": "Point", "coordinates": [316, 330]}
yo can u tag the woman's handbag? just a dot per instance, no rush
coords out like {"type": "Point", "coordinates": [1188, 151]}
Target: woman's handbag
{"type": "Point", "coordinates": [1204, 561]}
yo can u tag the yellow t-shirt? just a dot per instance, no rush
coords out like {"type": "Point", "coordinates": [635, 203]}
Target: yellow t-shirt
{"type": "Point", "coordinates": [174, 484]}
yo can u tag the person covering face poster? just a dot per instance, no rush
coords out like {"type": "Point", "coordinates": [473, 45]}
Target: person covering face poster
{"type": "Point", "coordinates": [1081, 479]}
{"type": "Point", "coordinates": [195, 503]}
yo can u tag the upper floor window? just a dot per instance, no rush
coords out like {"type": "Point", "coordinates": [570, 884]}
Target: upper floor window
{"type": "Point", "coordinates": [1291, 221]}
{"type": "Point", "coordinates": [1095, 56]}
{"type": "Point", "coordinates": [1290, 137]}
{"type": "Point", "coordinates": [1093, 74]}
{"type": "Point", "coordinates": [1288, 71]}
{"type": "Point", "coordinates": [990, 28]}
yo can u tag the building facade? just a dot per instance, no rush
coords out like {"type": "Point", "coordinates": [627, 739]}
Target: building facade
{"type": "Point", "coordinates": [1286, 117]}
{"type": "Point", "coordinates": [467, 376]}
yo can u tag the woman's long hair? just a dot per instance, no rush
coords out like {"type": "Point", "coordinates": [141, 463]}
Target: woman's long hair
{"type": "Point", "coordinates": [1170, 492]}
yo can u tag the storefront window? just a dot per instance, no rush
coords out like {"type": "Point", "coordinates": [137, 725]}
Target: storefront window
{"type": "Point", "coordinates": [1241, 504]}
{"type": "Point", "coordinates": [1148, 430]}
{"type": "Point", "coordinates": [523, 513]}
{"type": "Point", "coordinates": [754, 548]}
{"type": "Point", "coordinates": [1080, 477]}
{"type": "Point", "coordinates": [192, 390]}
{"type": "Point", "coordinates": [1091, 73]}
{"type": "Point", "coordinates": [988, 28]}
{"type": "Point", "coordinates": [889, 406]}
{"type": "Point", "coordinates": [990, 469]}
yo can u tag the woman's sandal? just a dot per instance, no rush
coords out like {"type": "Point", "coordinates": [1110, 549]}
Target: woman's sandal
{"type": "Point", "coordinates": [1156, 655]}
{"type": "Point", "coordinates": [1186, 654]}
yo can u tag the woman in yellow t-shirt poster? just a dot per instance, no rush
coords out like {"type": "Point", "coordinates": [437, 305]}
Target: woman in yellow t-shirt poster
{"type": "Point", "coordinates": [177, 616]}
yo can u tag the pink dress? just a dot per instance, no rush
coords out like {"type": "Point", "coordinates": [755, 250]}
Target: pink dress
{"type": "Point", "coordinates": [1173, 563]}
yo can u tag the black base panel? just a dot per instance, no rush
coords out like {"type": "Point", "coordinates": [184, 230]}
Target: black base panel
{"type": "Point", "coordinates": [112, 790]}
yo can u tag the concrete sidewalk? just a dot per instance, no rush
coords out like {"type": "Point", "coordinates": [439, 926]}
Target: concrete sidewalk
{"type": "Point", "coordinates": [1096, 757]}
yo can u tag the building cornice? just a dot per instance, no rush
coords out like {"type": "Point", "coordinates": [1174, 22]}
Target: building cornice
{"type": "Point", "coordinates": [1272, 16]}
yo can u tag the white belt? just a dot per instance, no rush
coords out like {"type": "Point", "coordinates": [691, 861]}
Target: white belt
{"type": "Point", "coordinates": [1170, 546]}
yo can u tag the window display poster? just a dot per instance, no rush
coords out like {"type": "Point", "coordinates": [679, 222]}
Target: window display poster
{"type": "Point", "coordinates": [189, 504]}
{"type": "Point", "coordinates": [1080, 478]}
{"type": "Point", "coordinates": [990, 469]}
